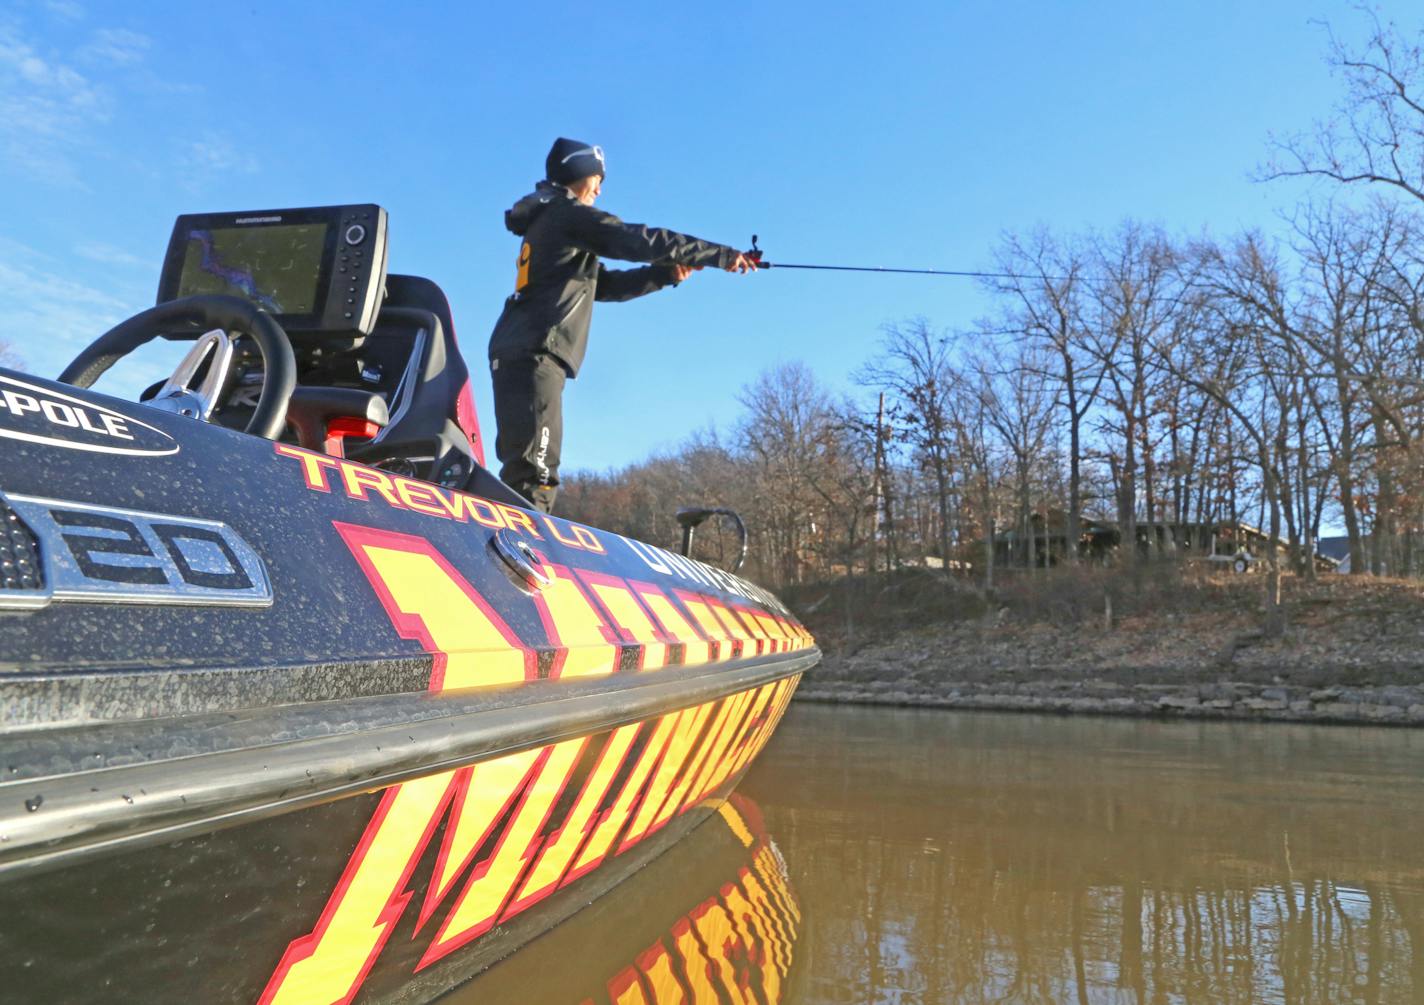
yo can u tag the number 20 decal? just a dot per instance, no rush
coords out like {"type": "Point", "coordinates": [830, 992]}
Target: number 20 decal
{"type": "Point", "coordinates": [499, 843]}
{"type": "Point", "coordinates": [104, 554]}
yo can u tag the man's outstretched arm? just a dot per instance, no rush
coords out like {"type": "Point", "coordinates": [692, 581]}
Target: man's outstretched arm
{"type": "Point", "coordinates": [625, 284]}
{"type": "Point", "coordinates": [609, 237]}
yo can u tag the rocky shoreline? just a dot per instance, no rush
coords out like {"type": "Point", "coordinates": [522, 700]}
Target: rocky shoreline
{"type": "Point", "coordinates": [1401, 705]}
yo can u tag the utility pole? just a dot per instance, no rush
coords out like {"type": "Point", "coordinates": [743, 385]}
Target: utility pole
{"type": "Point", "coordinates": [884, 508]}
{"type": "Point", "coordinates": [875, 489]}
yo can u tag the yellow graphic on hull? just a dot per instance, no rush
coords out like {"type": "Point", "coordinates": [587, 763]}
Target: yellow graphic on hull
{"type": "Point", "coordinates": [499, 834]}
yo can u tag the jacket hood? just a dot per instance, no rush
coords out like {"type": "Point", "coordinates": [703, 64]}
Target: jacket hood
{"type": "Point", "coordinates": [521, 216]}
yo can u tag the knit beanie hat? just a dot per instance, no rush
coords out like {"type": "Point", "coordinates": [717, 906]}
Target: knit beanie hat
{"type": "Point", "coordinates": [570, 160]}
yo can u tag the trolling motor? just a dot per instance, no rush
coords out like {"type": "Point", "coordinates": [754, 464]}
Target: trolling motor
{"type": "Point", "coordinates": [692, 517]}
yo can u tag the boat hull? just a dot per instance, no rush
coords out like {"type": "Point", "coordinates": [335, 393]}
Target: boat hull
{"type": "Point", "coordinates": [272, 910]}
{"type": "Point", "coordinates": [280, 727]}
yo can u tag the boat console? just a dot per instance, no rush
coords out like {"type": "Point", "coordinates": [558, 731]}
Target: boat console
{"type": "Point", "coordinates": [319, 270]}
{"type": "Point", "coordinates": [380, 378]}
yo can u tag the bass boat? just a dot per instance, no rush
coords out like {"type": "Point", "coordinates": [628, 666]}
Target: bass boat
{"type": "Point", "coordinates": [301, 704]}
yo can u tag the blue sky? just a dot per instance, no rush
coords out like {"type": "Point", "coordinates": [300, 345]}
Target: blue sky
{"type": "Point", "coordinates": [890, 134]}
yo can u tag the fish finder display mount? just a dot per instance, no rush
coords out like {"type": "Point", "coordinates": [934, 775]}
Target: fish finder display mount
{"type": "Point", "coordinates": [318, 271]}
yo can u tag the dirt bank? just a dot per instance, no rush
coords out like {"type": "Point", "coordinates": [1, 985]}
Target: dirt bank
{"type": "Point", "coordinates": [1170, 641]}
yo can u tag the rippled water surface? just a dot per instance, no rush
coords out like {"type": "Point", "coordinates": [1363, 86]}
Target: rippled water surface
{"type": "Point", "coordinates": [973, 857]}
{"type": "Point", "coordinates": [929, 857]}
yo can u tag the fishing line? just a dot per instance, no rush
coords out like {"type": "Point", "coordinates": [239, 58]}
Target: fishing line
{"type": "Point", "coordinates": [756, 255]}
{"type": "Point", "coordinates": [911, 272]}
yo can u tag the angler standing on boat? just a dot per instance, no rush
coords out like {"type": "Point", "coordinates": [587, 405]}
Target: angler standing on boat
{"type": "Point", "coordinates": [542, 334]}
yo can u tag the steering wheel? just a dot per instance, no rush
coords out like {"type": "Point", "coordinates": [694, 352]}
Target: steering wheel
{"type": "Point", "coordinates": [202, 313]}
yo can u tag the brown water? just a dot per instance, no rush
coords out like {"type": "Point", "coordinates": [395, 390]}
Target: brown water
{"type": "Point", "coordinates": [973, 857]}
{"type": "Point", "coordinates": [927, 857]}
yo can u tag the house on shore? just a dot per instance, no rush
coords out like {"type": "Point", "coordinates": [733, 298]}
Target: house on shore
{"type": "Point", "coordinates": [1099, 541]}
{"type": "Point", "coordinates": [1338, 548]}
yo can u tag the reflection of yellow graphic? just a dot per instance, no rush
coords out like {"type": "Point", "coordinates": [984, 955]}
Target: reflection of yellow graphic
{"type": "Point", "coordinates": [736, 824]}
{"type": "Point", "coordinates": [687, 759]}
{"type": "Point", "coordinates": [522, 280]}
{"type": "Point", "coordinates": [724, 946]}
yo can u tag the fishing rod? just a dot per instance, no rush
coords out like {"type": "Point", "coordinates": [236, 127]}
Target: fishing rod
{"type": "Point", "coordinates": [756, 256]}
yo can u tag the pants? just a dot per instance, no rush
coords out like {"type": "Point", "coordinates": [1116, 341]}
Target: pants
{"type": "Point", "coordinates": [529, 422]}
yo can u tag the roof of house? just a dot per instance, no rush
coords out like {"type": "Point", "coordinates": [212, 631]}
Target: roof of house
{"type": "Point", "coordinates": [1337, 548]}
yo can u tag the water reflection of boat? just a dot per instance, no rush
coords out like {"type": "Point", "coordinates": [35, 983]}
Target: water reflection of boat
{"type": "Point", "coordinates": [714, 920]}
{"type": "Point", "coordinates": [283, 725]}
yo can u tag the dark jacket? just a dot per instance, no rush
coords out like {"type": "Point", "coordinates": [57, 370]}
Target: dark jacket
{"type": "Point", "coordinates": [560, 276]}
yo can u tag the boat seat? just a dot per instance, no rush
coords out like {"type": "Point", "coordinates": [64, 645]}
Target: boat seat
{"type": "Point", "coordinates": [431, 409]}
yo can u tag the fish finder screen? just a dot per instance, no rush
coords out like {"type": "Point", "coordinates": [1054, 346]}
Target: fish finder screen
{"type": "Point", "coordinates": [276, 267]}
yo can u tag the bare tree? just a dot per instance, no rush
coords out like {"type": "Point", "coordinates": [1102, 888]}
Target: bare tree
{"type": "Point", "coordinates": [1048, 310]}
{"type": "Point", "coordinates": [1340, 264]}
{"type": "Point", "coordinates": [1018, 406]}
{"type": "Point", "coordinates": [914, 368]}
{"type": "Point", "coordinates": [1241, 322]}
{"type": "Point", "coordinates": [1134, 305]}
{"type": "Point", "coordinates": [970, 432]}
{"type": "Point", "coordinates": [1377, 133]}
{"type": "Point", "coordinates": [783, 439]}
